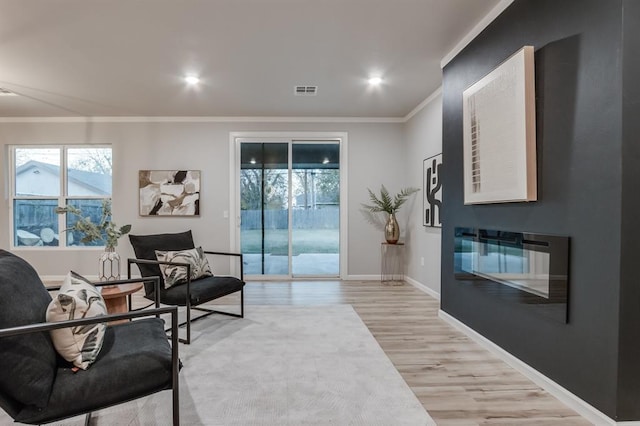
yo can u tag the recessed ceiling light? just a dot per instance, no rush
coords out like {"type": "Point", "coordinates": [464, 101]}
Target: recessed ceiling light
{"type": "Point", "coordinates": [325, 161]}
{"type": "Point", "coordinates": [252, 161]}
{"type": "Point", "coordinates": [192, 79]}
{"type": "Point", "coordinates": [375, 81]}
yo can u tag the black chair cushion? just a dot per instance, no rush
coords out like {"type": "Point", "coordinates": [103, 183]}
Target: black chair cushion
{"type": "Point", "coordinates": [122, 372]}
{"type": "Point", "coordinates": [202, 290]}
{"type": "Point", "coordinates": [29, 361]}
{"type": "Point", "coordinates": [145, 246]}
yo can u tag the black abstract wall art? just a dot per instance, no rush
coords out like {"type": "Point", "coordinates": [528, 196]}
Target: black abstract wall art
{"type": "Point", "coordinates": [432, 194]}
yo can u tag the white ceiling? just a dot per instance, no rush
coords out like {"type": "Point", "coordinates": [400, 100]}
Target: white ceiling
{"type": "Point", "coordinates": [128, 57]}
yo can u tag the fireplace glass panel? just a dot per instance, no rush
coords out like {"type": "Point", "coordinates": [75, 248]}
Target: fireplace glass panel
{"type": "Point", "coordinates": [531, 269]}
{"type": "Point", "coordinates": [518, 267]}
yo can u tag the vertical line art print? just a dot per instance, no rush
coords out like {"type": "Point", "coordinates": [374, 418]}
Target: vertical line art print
{"type": "Point", "coordinates": [499, 142]}
{"type": "Point", "coordinates": [475, 148]}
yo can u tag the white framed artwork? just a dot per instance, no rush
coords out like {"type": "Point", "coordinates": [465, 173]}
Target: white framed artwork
{"type": "Point", "coordinates": [500, 134]}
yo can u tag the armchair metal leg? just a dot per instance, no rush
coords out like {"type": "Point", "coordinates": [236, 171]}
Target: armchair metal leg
{"type": "Point", "coordinates": [208, 312]}
{"type": "Point", "coordinates": [214, 311]}
{"type": "Point", "coordinates": [176, 407]}
{"type": "Point", "coordinates": [175, 368]}
{"type": "Point", "coordinates": [87, 419]}
{"type": "Point", "coordinates": [188, 341]}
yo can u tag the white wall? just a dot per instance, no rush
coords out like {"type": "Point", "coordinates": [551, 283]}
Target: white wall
{"type": "Point", "coordinates": [423, 139]}
{"type": "Point", "coordinates": [375, 156]}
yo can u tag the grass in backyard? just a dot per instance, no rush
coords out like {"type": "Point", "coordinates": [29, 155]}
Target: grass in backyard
{"type": "Point", "coordinates": [304, 241]}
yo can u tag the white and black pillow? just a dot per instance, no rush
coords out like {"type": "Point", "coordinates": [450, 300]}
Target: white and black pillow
{"type": "Point", "coordinates": [174, 274]}
{"type": "Point", "coordinates": [77, 299]}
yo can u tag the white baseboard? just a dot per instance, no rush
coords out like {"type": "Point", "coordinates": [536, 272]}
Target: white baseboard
{"type": "Point", "coordinates": [363, 277]}
{"type": "Point", "coordinates": [431, 292]}
{"type": "Point", "coordinates": [583, 408]}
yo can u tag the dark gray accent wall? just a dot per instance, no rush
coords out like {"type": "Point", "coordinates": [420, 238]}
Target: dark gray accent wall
{"type": "Point", "coordinates": [629, 345]}
{"type": "Point", "coordinates": [588, 169]}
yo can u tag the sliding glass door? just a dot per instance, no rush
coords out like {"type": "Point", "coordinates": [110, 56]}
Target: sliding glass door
{"type": "Point", "coordinates": [264, 208]}
{"type": "Point", "coordinates": [315, 224]}
{"type": "Point", "coordinates": [290, 208]}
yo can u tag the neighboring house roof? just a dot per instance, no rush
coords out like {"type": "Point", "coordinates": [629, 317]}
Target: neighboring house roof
{"type": "Point", "coordinates": [96, 182]}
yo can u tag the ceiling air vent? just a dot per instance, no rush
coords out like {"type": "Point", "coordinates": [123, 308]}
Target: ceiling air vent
{"type": "Point", "coordinates": [305, 90]}
{"type": "Point", "coordinates": [6, 92]}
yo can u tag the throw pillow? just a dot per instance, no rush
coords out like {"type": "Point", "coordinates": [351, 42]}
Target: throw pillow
{"type": "Point", "coordinates": [77, 299]}
{"type": "Point", "coordinates": [174, 274]}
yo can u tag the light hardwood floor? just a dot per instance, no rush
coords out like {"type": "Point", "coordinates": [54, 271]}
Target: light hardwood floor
{"type": "Point", "coordinates": [457, 381]}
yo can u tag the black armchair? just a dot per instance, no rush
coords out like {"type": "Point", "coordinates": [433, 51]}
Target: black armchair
{"type": "Point", "coordinates": [37, 386]}
{"type": "Point", "coordinates": [192, 293]}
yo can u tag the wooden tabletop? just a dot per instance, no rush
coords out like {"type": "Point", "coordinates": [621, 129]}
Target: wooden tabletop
{"type": "Point", "coordinates": [110, 292]}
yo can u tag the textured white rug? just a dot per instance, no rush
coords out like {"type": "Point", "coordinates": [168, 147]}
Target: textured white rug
{"type": "Point", "coordinates": [281, 365]}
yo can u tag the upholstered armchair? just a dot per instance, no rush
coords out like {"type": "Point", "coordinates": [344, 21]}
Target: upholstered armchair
{"type": "Point", "coordinates": [38, 386]}
{"type": "Point", "coordinates": [185, 290]}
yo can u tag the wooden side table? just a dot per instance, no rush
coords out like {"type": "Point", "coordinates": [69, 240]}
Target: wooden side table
{"type": "Point", "coordinates": [392, 263]}
{"type": "Point", "coordinates": [116, 298]}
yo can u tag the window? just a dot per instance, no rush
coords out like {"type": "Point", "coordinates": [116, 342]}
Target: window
{"type": "Point", "coordinates": [44, 178]}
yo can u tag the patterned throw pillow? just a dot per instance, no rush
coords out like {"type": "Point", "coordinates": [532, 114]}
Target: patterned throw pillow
{"type": "Point", "coordinates": [77, 299]}
{"type": "Point", "coordinates": [178, 274]}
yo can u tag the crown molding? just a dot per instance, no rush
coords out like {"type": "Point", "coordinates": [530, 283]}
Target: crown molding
{"type": "Point", "coordinates": [423, 104]}
{"type": "Point", "coordinates": [201, 120]}
{"type": "Point", "coordinates": [484, 23]}
{"type": "Point", "coordinates": [223, 119]}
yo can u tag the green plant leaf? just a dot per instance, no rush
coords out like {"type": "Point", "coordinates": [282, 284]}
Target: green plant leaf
{"type": "Point", "coordinates": [94, 232]}
{"type": "Point", "coordinates": [387, 203]}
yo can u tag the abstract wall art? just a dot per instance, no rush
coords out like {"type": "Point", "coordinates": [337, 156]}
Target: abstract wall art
{"type": "Point", "coordinates": [432, 193]}
{"type": "Point", "coordinates": [500, 133]}
{"type": "Point", "coordinates": [169, 192]}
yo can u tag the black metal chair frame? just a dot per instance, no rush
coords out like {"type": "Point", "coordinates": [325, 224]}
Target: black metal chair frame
{"type": "Point", "coordinates": [188, 305]}
{"type": "Point", "coordinates": [173, 310]}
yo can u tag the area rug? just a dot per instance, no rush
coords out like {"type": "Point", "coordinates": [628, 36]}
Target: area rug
{"type": "Point", "coordinates": [281, 365]}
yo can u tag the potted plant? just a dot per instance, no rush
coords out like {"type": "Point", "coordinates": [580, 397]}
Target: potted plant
{"type": "Point", "coordinates": [105, 230]}
{"type": "Point", "coordinates": [390, 205]}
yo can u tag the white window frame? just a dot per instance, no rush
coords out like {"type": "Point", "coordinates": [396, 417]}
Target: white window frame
{"type": "Point", "coordinates": [62, 197]}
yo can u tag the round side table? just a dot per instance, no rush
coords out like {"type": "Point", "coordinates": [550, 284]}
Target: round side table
{"type": "Point", "coordinates": [116, 298]}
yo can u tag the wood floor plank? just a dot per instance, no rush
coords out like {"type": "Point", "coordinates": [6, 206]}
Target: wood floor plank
{"type": "Point", "coordinates": [457, 381]}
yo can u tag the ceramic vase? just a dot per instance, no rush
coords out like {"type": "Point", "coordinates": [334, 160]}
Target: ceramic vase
{"type": "Point", "coordinates": [392, 230]}
{"type": "Point", "coordinates": [109, 265]}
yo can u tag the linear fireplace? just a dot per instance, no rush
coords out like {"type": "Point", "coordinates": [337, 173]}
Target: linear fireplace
{"type": "Point", "coordinates": [527, 268]}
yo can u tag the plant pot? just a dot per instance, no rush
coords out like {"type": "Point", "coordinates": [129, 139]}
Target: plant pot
{"type": "Point", "coordinates": [392, 230]}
